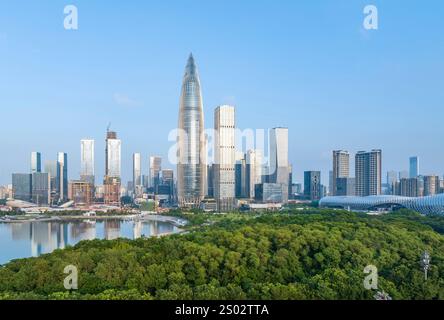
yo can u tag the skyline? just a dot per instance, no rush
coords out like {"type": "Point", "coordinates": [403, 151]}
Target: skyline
{"type": "Point", "coordinates": [135, 81]}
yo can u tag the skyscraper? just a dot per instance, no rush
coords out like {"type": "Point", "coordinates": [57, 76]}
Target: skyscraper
{"type": "Point", "coordinates": [341, 167]}
{"type": "Point", "coordinates": [40, 188]}
{"type": "Point", "coordinates": [241, 175]}
{"type": "Point", "coordinates": [191, 166]}
{"type": "Point", "coordinates": [113, 155]}
{"type": "Point", "coordinates": [431, 185]}
{"type": "Point", "coordinates": [279, 167]}
{"type": "Point", "coordinates": [392, 179]}
{"type": "Point", "coordinates": [52, 168]}
{"type": "Point", "coordinates": [155, 169]}
{"type": "Point", "coordinates": [410, 187]}
{"type": "Point", "coordinates": [414, 167]}
{"type": "Point", "coordinates": [62, 161]}
{"type": "Point", "coordinates": [210, 181]}
{"type": "Point", "coordinates": [22, 186]}
{"type": "Point", "coordinates": [225, 157]}
{"type": "Point", "coordinates": [112, 181]}
{"type": "Point", "coordinates": [368, 173]}
{"type": "Point", "coordinates": [87, 173]}
{"type": "Point", "coordinates": [312, 185]}
{"type": "Point", "coordinates": [36, 162]}
{"type": "Point", "coordinates": [137, 170]}
{"type": "Point", "coordinates": [168, 181]}
{"type": "Point", "coordinates": [254, 171]}
{"type": "Point", "coordinates": [345, 186]}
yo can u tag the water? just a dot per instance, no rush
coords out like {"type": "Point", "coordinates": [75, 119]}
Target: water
{"type": "Point", "coordinates": [31, 239]}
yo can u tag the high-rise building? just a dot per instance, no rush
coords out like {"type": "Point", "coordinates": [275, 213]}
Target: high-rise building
{"type": "Point", "coordinates": [52, 168]}
{"type": "Point", "coordinates": [137, 170]}
{"type": "Point", "coordinates": [330, 183]}
{"type": "Point", "coordinates": [431, 185]}
{"type": "Point", "coordinates": [41, 189]}
{"type": "Point", "coordinates": [345, 186]}
{"type": "Point", "coordinates": [112, 181]}
{"type": "Point", "coordinates": [241, 175]}
{"type": "Point", "coordinates": [87, 172]}
{"type": "Point", "coordinates": [268, 193]}
{"type": "Point", "coordinates": [168, 182]}
{"type": "Point", "coordinates": [81, 192]}
{"type": "Point", "coordinates": [62, 165]}
{"type": "Point", "coordinates": [210, 181]}
{"type": "Point", "coordinates": [312, 185]}
{"type": "Point", "coordinates": [191, 167]}
{"type": "Point", "coordinates": [410, 187]}
{"type": "Point", "coordinates": [22, 186]}
{"type": "Point", "coordinates": [341, 167]}
{"type": "Point", "coordinates": [112, 155]}
{"type": "Point", "coordinates": [254, 171]}
{"type": "Point", "coordinates": [155, 169]}
{"type": "Point", "coordinates": [36, 162]}
{"type": "Point", "coordinates": [297, 188]}
{"type": "Point", "coordinates": [392, 179]}
{"type": "Point", "coordinates": [368, 168]}
{"type": "Point", "coordinates": [167, 176]}
{"type": "Point", "coordinates": [414, 167]}
{"type": "Point", "coordinates": [290, 182]}
{"type": "Point", "coordinates": [279, 166]}
{"type": "Point", "coordinates": [225, 158]}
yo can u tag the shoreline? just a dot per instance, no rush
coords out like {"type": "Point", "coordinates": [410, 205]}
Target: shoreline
{"type": "Point", "coordinates": [176, 221]}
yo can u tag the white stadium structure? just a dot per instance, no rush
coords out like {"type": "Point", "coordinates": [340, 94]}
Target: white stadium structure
{"type": "Point", "coordinates": [424, 205]}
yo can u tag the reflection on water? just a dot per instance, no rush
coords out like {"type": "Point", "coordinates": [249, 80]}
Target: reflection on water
{"type": "Point", "coordinates": [25, 239]}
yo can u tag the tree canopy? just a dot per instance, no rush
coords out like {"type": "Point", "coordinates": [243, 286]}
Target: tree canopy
{"type": "Point", "coordinates": [310, 254]}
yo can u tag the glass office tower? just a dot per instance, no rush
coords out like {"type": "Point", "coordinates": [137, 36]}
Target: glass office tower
{"type": "Point", "coordinates": [191, 166]}
{"type": "Point", "coordinates": [87, 160]}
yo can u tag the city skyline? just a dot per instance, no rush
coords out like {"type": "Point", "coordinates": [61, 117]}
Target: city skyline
{"type": "Point", "coordinates": [277, 85]}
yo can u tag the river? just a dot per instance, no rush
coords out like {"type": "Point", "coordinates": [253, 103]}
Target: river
{"type": "Point", "coordinates": [33, 238]}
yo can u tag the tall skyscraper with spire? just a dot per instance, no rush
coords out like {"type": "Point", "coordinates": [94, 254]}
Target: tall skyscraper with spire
{"type": "Point", "coordinates": [191, 142]}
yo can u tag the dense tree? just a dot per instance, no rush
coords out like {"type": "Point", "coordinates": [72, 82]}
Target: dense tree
{"type": "Point", "coordinates": [309, 254]}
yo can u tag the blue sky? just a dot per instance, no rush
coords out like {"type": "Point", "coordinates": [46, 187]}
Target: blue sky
{"type": "Point", "coordinates": [307, 65]}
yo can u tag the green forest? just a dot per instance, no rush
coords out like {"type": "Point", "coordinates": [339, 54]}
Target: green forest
{"type": "Point", "coordinates": [300, 254]}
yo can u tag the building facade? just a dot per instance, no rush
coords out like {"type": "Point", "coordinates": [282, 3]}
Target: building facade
{"type": "Point", "coordinates": [225, 158]}
{"type": "Point", "coordinates": [345, 186]}
{"type": "Point", "coordinates": [62, 166]}
{"type": "Point", "coordinates": [368, 170]}
{"type": "Point", "coordinates": [41, 193]}
{"type": "Point", "coordinates": [154, 172]}
{"type": "Point", "coordinates": [279, 166]}
{"type": "Point", "coordinates": [312, 185]}
{"type": "Point", "coordinates": [137, 171]}
{"type": "Point", "coordinates": [431, 185]}
{"type": "Point", "coordinates": [269, 193]}
{"type": "Point", "coordinates": [341, 168]}
{"type": "Point", "coordinates": [191, 167]}
{"type": "Point", "coordinates": [241, 175]}
{"type": "Point", "coordinates": [81, 192]}
{"type": "Point", "coordinates": [87, 165]}
{"type": "Point", "coordinates": [112, 180]}
{"type": "Point", "coordinates": [253, 171]}
{"type": "Point", "coordinates": [22, 186]}
{"type": "Point", "coordinates": [36, 162]}
{"type": "Point", "coordinates": [414, 167]}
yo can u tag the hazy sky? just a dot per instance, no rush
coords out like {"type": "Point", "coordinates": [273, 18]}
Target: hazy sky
{"type": "Point", "coordinates": [307, 65]}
